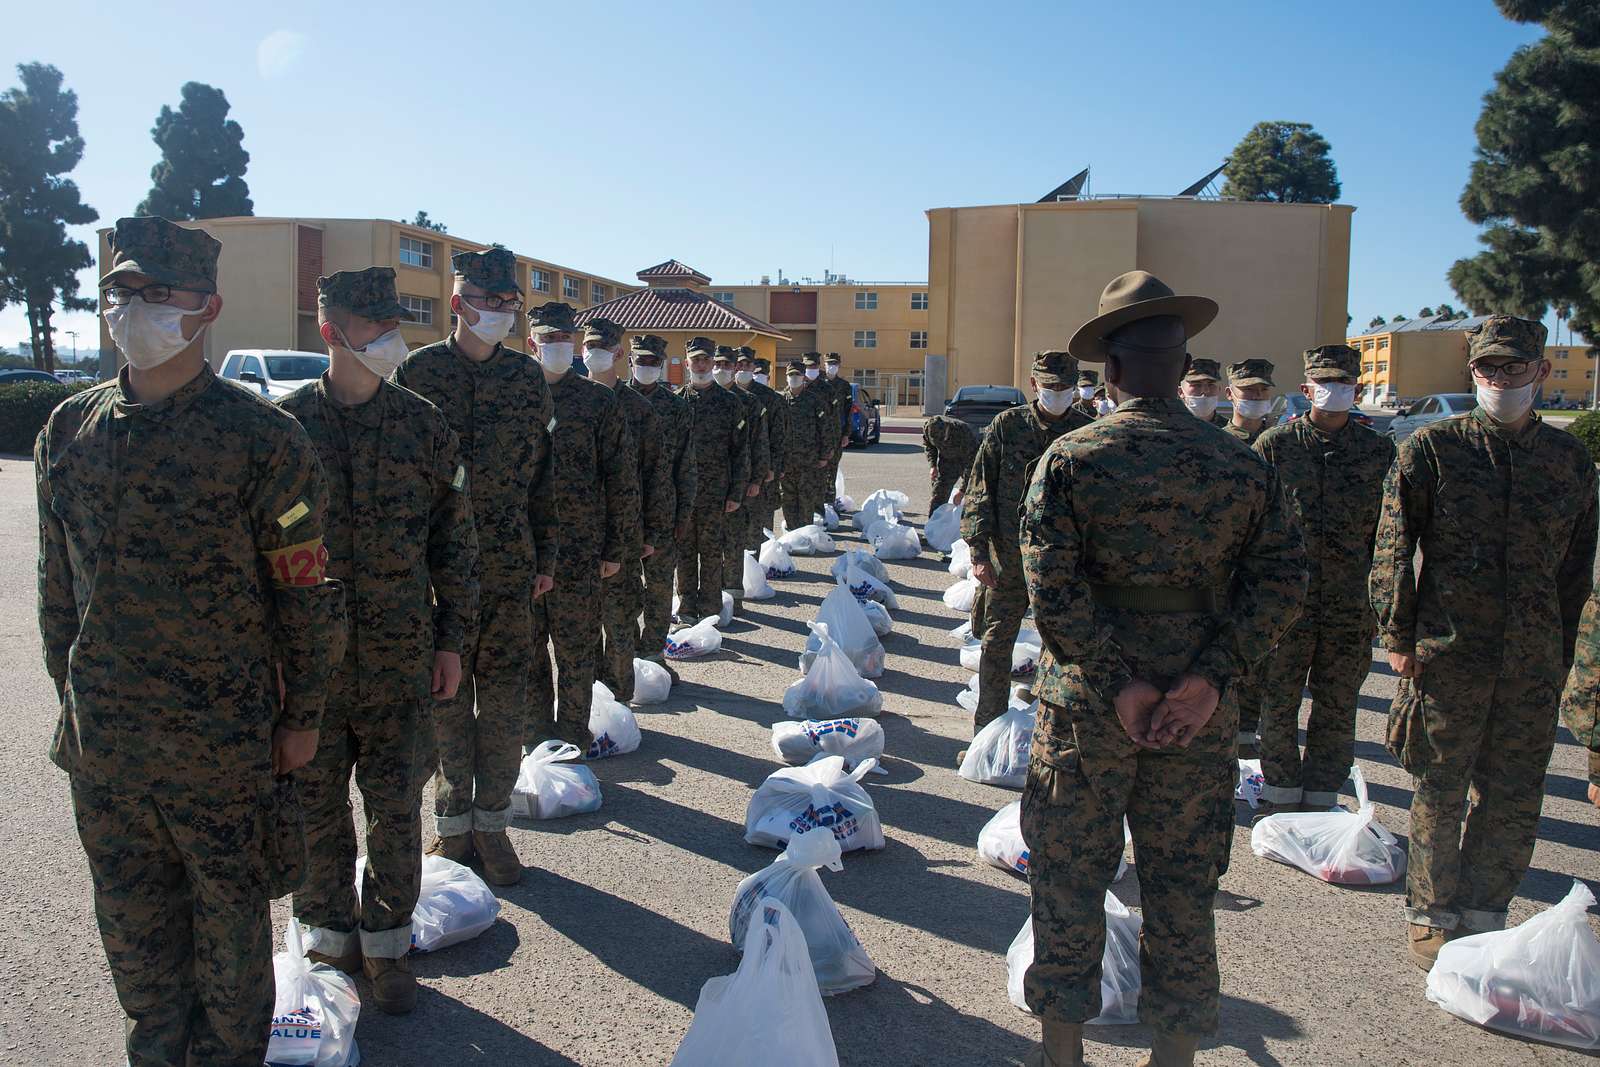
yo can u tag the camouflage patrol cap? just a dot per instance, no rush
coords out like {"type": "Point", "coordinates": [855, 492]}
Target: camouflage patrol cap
{"type": "Point", "coordinates": [1054, 368]}
{"type": "Point", "coordinates": [725, 354]}
{"type": "Point", "coordinates": [763, 365]}
{"type": "Point", "coordinates": [833, 357]}
{"type": "Point", "coordinates": [494, 270]}
{"type": "Point", "coordinates": [701, 345]}
{"type": "Point", "coordinates": [1332, 361]}
{"type": "Point", "coordinates": [1250, 372]}
{"type": "Point", "coordinates": [1088, 377]}
{"type": "Point", "coordinates": [368, 292]}
{"type": "Point", "coordinates": [602, 333]}
{"type": "Point", "coordinates": [1204, 370]}
{"type": "Point", "coordinates": [796, 366]}
{"type": "Point", "coordinates": [551, 317]}
{"type": "Point", "coordinates": [165, 252]}
{"type": "Point", "coordinates": [1506, 335]}
{"type": "Point", "coordinates": [812, 359]}
{"type": "Point", "coordinates": [746, 352]}
{"type": "Point", "coordinates": [649, 346]}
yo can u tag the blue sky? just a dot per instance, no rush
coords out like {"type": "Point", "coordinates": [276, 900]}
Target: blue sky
{"type": "Point", "coordinates": [748, 138]}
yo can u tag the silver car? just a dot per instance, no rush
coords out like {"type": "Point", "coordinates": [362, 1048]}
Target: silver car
{"type": "Point", "coordinates": [1429, 409]}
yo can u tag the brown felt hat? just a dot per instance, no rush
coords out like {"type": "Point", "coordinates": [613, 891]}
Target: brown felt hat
{"type": "Point", "coordinates": [1131, 297]}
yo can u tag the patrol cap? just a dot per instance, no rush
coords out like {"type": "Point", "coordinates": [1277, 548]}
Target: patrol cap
{"type": "Point", "coordinates": [812, 359]}
{"type": "Point", "coordinates": [551, 317]}
{"type": "Point", "coordinates": [700, 346]}
{"type": "Point", "coordinates": [1204, 370]}
{"type": "Point", "coordinates": [725, 354]}
{"type": "Point", "coordinates": [648, 346]}
{"type": "Point", "coordinates": [602, 333]}
{"type": "Point", "coordinates": [368, 292]}
{"type": "Point", "coordinates": [165, 252]}
{"type": "Point", "coordinates": [746, 352]}
{"type": "Point", "coordinates": [1506, 335]}
{"type": "Point", "coordinates": [1250, 372]}
{"type": "Point", "coordinates": [833, 357]}
{"type": "Point", "coordinates": [763, 365]}
{"type": "Point", "coordinates": [1054, 368]}
{"type": "Point", "coordinates": [796, 366]}
{"type": "Point", "coordinates": [1088, 377]}
{"type": "Point", "coordinates": [1332, 361]}
{"type": "Point", "coordinates": [494, 270]}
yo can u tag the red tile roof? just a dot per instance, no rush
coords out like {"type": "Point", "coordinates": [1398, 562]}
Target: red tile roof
{"type": "Point", "coordinates": [661, 310]}
{"type": "Point", "coordinates": [672, 269]}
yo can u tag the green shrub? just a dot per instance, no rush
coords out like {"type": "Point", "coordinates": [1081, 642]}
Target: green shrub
{"type": "Point", "coordinates": [1586, 428]}
{"type": "Point", "coordinates": [24, 407]}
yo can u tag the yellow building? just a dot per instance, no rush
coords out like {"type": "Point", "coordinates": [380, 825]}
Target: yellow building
{"type": "Point", "coordinates": [1409, 359]}
{"type": "Point", "coordinates": [1572, 374]}
{"type": "Point", "coordinates": [1009, 280]}
{"type": "Point", "coordinates": [268, 269]}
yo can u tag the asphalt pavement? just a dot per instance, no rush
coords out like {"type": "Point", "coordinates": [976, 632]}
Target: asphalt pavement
{"type": "Point", "coordinates": [598, 956]}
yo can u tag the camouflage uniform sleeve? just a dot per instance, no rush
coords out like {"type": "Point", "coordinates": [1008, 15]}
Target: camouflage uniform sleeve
{"type": "Point", "coordinates": [978, 518]}
{"type": "Point", "coordinates": [739, 462]}
{"type": "Point", "coordinates": [542, 515]}
{"type": "Point", "coordinates": [452, 545]}
{"type": "Point", "coordinates": [1575, 578]}
{"type": "Point", "coordinates": [655, 520]}
{"type": "Point", "coordinates": [288, 507]}
{"type": "Point", "coordinates": [760, 441]}
{"type": "Point", "coordinates": [930, 448]}
{"type": "Point", "coordinates": [778, 435]}
{"type": "Point", "coordinates": [614, 448]}
{"type": "Point", "coordinates": [58, 606]}
{"type": "Point", "coordinates": [687, 474]}
{"type": "Point", "coordinates": [1580, 702]}
{"type": "Point", "coordinates": [1052, 564]}
{"type": "Point", "coordinates": [1407, 513]}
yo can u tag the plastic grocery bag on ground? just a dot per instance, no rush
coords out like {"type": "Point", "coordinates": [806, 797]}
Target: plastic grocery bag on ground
{"type": "Point", "coordinates": [691, 642]}
{"type": "Point", "coordinates": [615, 730]}
{"type": "Point", "coordinates": [998, 754]}
{"type": "Point", "coordinates": [1025, 653]}
{"type": "Point", "coordinates": [1342, 847]}
{"type": "Point", "coordinates": [962, 633]}
{"type": "Point", "coordinates": [959, 597]}
{"type": "Point", "coordinates": [866, 587]}
{"type": "Point", "coordinates": [1249, 781]}
{"type": "Point", "coordinates": [550, 787]}
{"type": "Point", "coordinates": [822, 793]}
{"type": "Point", "coordinates": [943, 528]}
{"type": "Point", "coordinates": [971, 654]}
{"type": "Point", "coordinates": [799, 743]}
{"type": "Point", "coordinates": [807, 541]}
{"type": "Point", "coordinates": [828, 520]}
{"type": "Point", "coordinates": [775, 558]}
{"type": "Point", "coordinates": [314, 1009]}
{"type": "Point", "coordinates": [455, 905]}
{"type": "Point", "coordinates": [967, 699]}
{"type": "Point", "coordinates": [726, 615]}
{"type": "Point", "coordinates": [1119, 966]}
{"type": "Point", "coordinates": [844, 502]}
{"type": "Point", "coordinates": [837, 958]}
{"type": "Point", "coordinates": [1540, 980]}
{"type": "Point", "coordinates": [894, 498]}
{"type": "Point", "coordinates": [864, 560]}
{"type": "Point", "coordinates": [651, 682]}
{"type": "Point", "coordinates": [756, 586]}
{"type": "Point", "coordinates": [897, 541]}
{"type": "Point", "coordinates": [878, 616]}
{"type": "Point", "coordinates": [960, 559]}
{"type": "Point", "coordinates": [873, 511]}
{"type": "Point", "coordinates": [831, 688]}
{"type": "Point", "coordinates": [851, 630]}
{"type": "Point", "coordinates": [1000, 842]}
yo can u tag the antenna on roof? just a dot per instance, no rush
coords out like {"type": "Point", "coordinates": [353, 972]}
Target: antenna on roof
{"type": "Point", "coordinates": [1071, 189]}
{"type": "Point", "coordinates": [1202, 187]}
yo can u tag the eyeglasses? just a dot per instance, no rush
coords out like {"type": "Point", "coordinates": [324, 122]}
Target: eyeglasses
{"type": "Point", "coordinates": [154, 293]}
{"type": "Point", "coordinates": [1514, 368]}
{"type": "Point", "coordinates": [495, 303]}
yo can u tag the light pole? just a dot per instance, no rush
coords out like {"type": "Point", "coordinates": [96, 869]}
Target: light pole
{"type": "Point", "coordinates": [74, 335]}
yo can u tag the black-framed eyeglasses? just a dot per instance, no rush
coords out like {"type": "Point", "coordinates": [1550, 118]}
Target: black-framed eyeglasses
{"type": "Point", "coordinates": [496, 303]}
{"type": "Point", "coordinates": [1512, 368]}
{"type": "Point", "coordinates": [154, 293]}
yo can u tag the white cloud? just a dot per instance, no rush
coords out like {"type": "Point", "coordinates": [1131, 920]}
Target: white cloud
{"type": "Point", "coordinates": [278, 52]}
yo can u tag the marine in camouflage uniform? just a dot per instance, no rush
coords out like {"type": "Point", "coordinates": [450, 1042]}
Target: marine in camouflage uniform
{"type": "Point", "coordinates": [400, 537]}
{"type": "Point", "coordinates": [180, 558]}
{"type": "Point", "coordinates": [777, 421]}
{"type": "Point", "coordinates": [810, 436]}
{"type": "Point", "coordinates": [758, 447]}
{"type": "Point", "coordinates": [949, 445]}
{"type": "Point", "coordinates": [1504, 514]}
{"type": "Point", "coordinates": [1333, 485]}
{"type": "Point", "coordinates": [596, 487]}
{"type": "Point", "coordinates": [1128, 529]}
{"type": "Point", "coordinates": [496, 400]}
{"type": "Point", "coordinates": [719, 439]}
{"type": "Point", "coordinates": [1580, 701]}
{"type": "Point", "coordinates": [1249, 693]}
{"type": "Point", "coordinates": [839, 401]}
{"type": "Point", "coordinates": [1200, 391]}
{"type": "Point", "coordinates": [1088, 381]}
{"type": "Point", "coordinates": [679, 482]}
{"type": "Point", "coordinates": [990, 513]}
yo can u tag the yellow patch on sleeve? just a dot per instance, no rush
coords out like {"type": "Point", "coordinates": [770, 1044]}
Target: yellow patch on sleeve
{"type": "Point", "coordinates": [300, 510]}
{"type": "Point", "coordinates": [460, 479]}
{"type": "Point", "coordinates": [302, 564]}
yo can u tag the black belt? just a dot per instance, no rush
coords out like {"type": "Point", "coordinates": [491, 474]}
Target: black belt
{"type": "Point", "coordinates": [1158, 598]}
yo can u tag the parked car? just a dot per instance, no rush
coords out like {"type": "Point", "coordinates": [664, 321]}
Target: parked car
{"type": "Point", "coordinates": [1296, 406]}
{"type": "Point", "coordinates": [276, 372]}
{"type": "Point", "coordinates": [977, 405]}
{"type": "Point", "coordinates": [1408, 420]}
{"type": "Point", "coordinates": [866, 426]}
{"type": "Point", "coordinates": [73, 377]}
{"type": "Point", "coordinates": [16, 377]}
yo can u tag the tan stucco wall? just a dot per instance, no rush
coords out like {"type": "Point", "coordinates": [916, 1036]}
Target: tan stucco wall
{"type": "Point", "coordinates": [838, 319]}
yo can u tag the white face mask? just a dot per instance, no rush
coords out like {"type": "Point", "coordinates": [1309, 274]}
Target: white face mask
{"type": "Point", "coordinates": [1104, 406]}
{"type": "Point", "coordinates": [492, 326]}
{"type": "Point", "coordinates": [811, 374]}
{"type": "Point", "coordinates": [794, 381]}
{"type": "Point", "coordinates": [762, 378]}
{"type": "Point", "coordinates": [646, 375]}
{"type": "Point", "coordinates": [1506, 405]}
{"type": "Point", "coordinates": [556, 356]}
{"type": "Point", "coordinates": [833, 370]}
{"type": "Point", "coordinates": [700, 378]}
{"type": "Point", "coordinates": [743, 377]}
{"type": "Point", "coordinates": [1332, 397]}
{"type": "Point", "coordinates": [599, 360]}
{"type": "Point", "coordinates": [1252, 409]}
{"type": "Point", "coordinates": [382, 354]}
{"type": "Point", "coordinates": [723, 376]}
{"type": "Point", "coordinates": [1201, 407]}
{"type": "Point", "coordinates": [149, 334]}
{"type": "Point", "coordinates": [1055, 401]}
{"type": "Point", "coordinates": [1086, 392]}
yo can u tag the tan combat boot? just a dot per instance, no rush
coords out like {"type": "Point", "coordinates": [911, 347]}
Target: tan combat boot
{"type": "Point", "coordinates": [349, 962]}
{"type": "Point", "coordinates": [1171, 1050]}
{"type": "Point", "coordinates": [394, 987]}
{"type": "Point", "coordinates": [456, 847]}
{"type": "Point", "coordinates": [1424, 943]}
{"type": "Point", "coordinates": [500, 863]}
{"type": "Point", "coordinates": [1062, 1046]}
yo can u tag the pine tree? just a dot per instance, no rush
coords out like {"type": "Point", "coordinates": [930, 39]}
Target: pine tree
{"type": "Point", "coordinates": [201, 173]}
{"type": "Point", "coordinates": [1287, 162]}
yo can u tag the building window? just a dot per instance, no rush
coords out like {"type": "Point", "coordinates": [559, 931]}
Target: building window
{"type": "Point", "coordinates": [1383, 366]}
{"type": "Point", "coordinates": [1383, 342]}
{"type": "Point", "coordinates": [723, 297]}
{"type": "Point", "coordinates": [1559, 372]}
{"type": "Point", "coordinates": [416, 253]}
{"type": "Point", "coordinates": [1366, 368]}
{"type": "Point", "coordinates": [919, 338]}
{"type": "Point", "coordinates": [420, 306]}
{"type": "Point", "coordinates": [570, 287]}
{"type": "Point", "coordinates": [1561, 353]}
{"type": "Point", "coordinates": [866, 302]}
{"type": "Point", "coordinates": [538, 280]}
{"type": "Point", "coordinates": [1367, 345]}
{"type": "Point", "coordinates": [866, 338]}
{"type": "Point", "coordinates": [597, 293]}
{"type": "Point", "coordinates": [919, 301]}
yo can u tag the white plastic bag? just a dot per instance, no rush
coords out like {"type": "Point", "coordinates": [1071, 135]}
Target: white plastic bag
{"type": "Point", "coordinates": [960, 559]}
{"type": "Point", "coordinates": [1000, 842]}
{"type": "Point", "coordinates": [863, 586]}
{"type": "Point", "coordinates": [959, 597]}
{"type": "Point", "coordinates": [1025, 652]}
{"type": "Point", "coordinates": [878, 616]}
{"type": "Point", "coordinates": [897, 541]}
{"type": "Point", "coordinates": [775, 558]}
{"type": "Point", "coordinates": [837, 958]}
{"type": "Point", "coordinates": [549, 787]}
{"type": "Point", "coordinates": [943, 527]}
{"type": "Point", "coordinates": [865, 561]}
{"type": "Point", "coordinates": [455, 905]}
{"type": "Point", "coordinates": [756, 586]}
{"type": "Point", "coordinates": [1250, 781]}
{"type": "Point", "coordinates": [807, 541]}
{"type": "Point", "coordinates": [851, 630]}
{"type": "Point", "coordinates": [651, 682]}
{"type": "Point", "coordinates": [844, 502]}
{"type": "Point", "coordinates": [726, 615]}
{"type": "Point", "coordinates": [828, 520]}
{"type": "Point", "coordinates": [1119, 966]}
{"type": "Point", "coordinates": [1540, 980]}
{"type": "Point", "coordinates": [769, 1011]}
{"type": "Point", "coordinates": [967, 699]}
{"type": "Point", "coordinates": [971, 654]}
{"type": "Point", "coordinates": [831, 688]}
{"type": "Point", "coordinates": [798, 743]}
{"type": "Point", "coordinates": [1342, 847]}
{"type": "Point", "coordinates": [615, 730]}
{"type": "Point", "coordinates": [998, 754]}
{"type": "Point", "coordinates": [822, 793]}
{"type": "Point", "coordinates": [877, 526]}
{"type": "Point", "coordinates": [692, 642]}
{"type": "Point", "coordinates": [314, 1009]}
{"type": "Point", "coordinates": [962, 633]}
{"type": "Point", "coordinates": [894, 499]}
